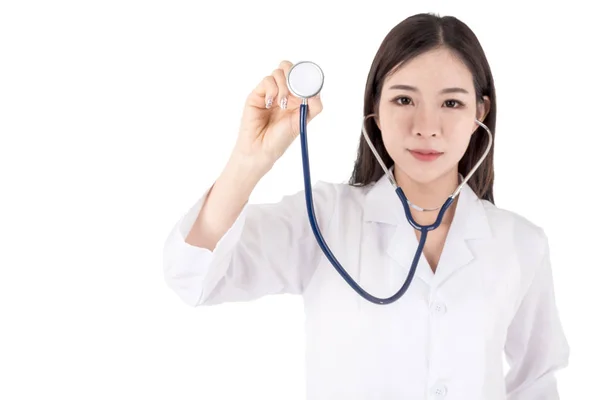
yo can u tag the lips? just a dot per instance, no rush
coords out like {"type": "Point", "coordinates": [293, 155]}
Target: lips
{"type": "Point", "coordinates": [425, 151]}
{"type": "Point", "coordinates": [425, 154]}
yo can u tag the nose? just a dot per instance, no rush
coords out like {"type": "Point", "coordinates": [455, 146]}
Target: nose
{"type": "Point", "coordinates": [426, 123]}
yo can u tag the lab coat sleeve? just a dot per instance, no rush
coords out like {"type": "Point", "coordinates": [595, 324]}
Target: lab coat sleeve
{"type": "Point", "coordinates": [269, 249]}
{"type": "Point", "coordinates": [536, 345]}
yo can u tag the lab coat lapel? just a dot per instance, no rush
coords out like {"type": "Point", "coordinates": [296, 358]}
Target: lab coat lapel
{"type": "Point", "coordinates": [382, 205]}
{"type": "Point", "coordinates": [470, 224]}
{"type": "Point", "coordinates": [402, 249]}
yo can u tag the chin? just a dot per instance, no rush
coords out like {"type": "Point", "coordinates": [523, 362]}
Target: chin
{"type": "Point", "coordinates": [419, 175]}
{"type": "Point", "coordinates": [422, 174]}
{"type": "Point", "coordinates": [425, 177]}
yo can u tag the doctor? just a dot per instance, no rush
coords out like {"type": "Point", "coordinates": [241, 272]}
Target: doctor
{"type": "Point", "coordinates": [483, 287]}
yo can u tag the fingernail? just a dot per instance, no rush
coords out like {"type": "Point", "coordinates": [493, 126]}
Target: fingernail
{"type": "Point", "coordinates": [269, 102]}
{"type": "Point", "coordinates": [283, 103]}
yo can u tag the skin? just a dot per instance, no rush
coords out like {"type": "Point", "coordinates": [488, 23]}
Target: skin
{"type": "Point", "coordinates": [425, 116]}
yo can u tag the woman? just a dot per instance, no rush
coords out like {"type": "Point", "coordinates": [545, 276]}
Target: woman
{"type": "Point", "coordinates": [483, 287]}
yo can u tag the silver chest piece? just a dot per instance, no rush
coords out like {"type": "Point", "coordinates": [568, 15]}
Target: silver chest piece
{"type": "Point", "coordinates": [305, 79]}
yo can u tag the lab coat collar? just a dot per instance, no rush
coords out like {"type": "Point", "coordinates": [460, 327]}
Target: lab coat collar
{"type": "Point", "coordinates": [470, 223]}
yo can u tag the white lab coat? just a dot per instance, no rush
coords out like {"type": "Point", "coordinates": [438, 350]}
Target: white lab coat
{"type": "Point", "coordinates": [492, 292]}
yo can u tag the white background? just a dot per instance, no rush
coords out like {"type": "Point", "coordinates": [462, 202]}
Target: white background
{"type": "Point", "coordinates": [116, 115]}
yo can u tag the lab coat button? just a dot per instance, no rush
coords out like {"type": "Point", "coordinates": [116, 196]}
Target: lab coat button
{"type": "Point", "coordinates": [439, 391]}
{"type": "Point", "coordinates": [438, 308]}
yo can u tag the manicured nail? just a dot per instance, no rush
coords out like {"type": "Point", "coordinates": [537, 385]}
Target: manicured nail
{"type": "Point", "coordinates": [269, 102]}
{"type": "Point", "coordinates": [283, 103]}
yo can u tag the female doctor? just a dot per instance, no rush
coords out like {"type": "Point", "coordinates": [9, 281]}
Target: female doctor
{"type": "Point", "coordinates": [483, 286]}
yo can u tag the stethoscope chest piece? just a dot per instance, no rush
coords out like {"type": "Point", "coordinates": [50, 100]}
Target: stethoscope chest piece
{"type": "Point", "coordinates": [305, 79]}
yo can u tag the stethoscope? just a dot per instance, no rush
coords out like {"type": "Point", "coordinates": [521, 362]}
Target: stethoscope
{"type": "Point", "coordinates": [305, 80]}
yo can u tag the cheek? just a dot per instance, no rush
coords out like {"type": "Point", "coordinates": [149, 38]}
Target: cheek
{"type": "Point", "coordinates": [458, 133]}
{"type": "Point", "coordinates": [395, 127]}
{"type": "Point", "coordinates": [394, 137]}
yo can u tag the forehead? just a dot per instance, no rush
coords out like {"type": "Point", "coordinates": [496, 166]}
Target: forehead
{"type": "Point", "coordinates": [433, 69]}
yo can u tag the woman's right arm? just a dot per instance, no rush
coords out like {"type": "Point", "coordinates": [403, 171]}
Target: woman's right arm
{"type": "Point", "coordinates": [227, 250]}
{"type": "Point", "coordinates": [224, 202]}
{"type": "Point", "coordinates": [224, 249]}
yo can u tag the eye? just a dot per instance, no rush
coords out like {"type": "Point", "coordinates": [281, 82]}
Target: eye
{"type": "Point", "coordinates": [403, 100]}
{"type": "Point", "coordinates": [453, 104]}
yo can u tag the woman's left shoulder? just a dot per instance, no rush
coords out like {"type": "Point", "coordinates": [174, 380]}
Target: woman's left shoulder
{"type": "Point", "coordinates": [516, 230]}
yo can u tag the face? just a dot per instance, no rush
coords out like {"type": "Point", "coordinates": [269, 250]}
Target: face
{"type": "Point", "coordinates": [429, 105]}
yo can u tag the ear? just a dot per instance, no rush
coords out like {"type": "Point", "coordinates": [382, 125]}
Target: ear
{"type": "Point", "coordinates": [483, 109]}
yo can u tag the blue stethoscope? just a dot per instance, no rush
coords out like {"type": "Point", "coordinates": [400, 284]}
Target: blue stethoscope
{"type": "Point", "coordinates": [305, 80]}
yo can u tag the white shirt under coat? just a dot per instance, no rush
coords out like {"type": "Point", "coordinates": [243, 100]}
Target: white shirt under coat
{"type": "Point", "coordinates": [492, 292]}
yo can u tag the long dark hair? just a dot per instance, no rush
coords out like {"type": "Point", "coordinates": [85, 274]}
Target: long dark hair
{"type": "Point", "coordinates": [411, 37]}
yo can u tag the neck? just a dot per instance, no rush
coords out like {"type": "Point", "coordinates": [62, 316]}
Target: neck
{"type": "Point", "coordinates": [430, 195]}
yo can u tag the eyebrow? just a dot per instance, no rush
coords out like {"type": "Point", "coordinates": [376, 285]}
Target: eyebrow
{"type": "Point", "coordinates": [443, 91]}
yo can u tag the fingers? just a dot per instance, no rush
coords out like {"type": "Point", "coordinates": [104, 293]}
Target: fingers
{"type": "Point", "coordinates": [267, 90]}
{"type": "Point", "coordinates": [286, 65]}
{"type": "Point", "coordinates": [315, 106]}
{"type": "Point", "coordinates": [273, 88]}
{"type": "Point", "coordinates": [283, 71]}
{"type": "Point", "coordinates": [283, 92]}
{"type": "Point", "coordinates": [273, 91]}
